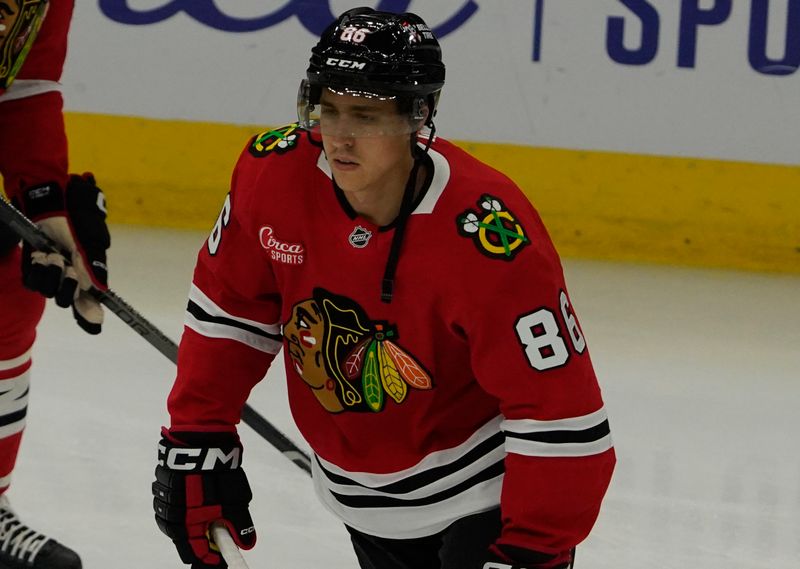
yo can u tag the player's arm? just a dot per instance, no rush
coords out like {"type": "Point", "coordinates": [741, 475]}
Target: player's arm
{"type": "Point", "coordinates": [33, 159]}
{"type": "Point", "coordinates": [231, 335]}
{"type": "Point", "coordinates": [529, 352]}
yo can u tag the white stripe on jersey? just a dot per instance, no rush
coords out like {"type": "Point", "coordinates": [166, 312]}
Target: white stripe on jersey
{"type": "Point", "coordinates": [424, 499]}
{"type": "Point", "coordinates": [22, 88]}
{"type": "Point", "coordinates": [15, 362]}
{"type": "Point", "coordinates": [441, 176]}
{"type": "Point", "coordinates": [572, 436]}
{"type": "Point", "coordinates": [14, 394]}
{"type": "Point", "coordinates": [13, 403]}
{"type": "Point", "coordinates": [208, 319]}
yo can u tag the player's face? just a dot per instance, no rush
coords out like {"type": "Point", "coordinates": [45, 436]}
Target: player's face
{"type": "Point", "coordinates": [366, 141]}
{"type": "Point", "coordinates": [304, 332]}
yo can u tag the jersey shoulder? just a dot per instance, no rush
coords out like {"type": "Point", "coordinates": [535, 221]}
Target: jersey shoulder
{"type": "Point", "coordinates": [471, 182]}
{"type": "Point", "coordinates": [275, 161]}
{"type": "Point", "coordinates": [470, 178]}
{"type": "Point", "coordinates": [490, 219]}
{"type": "Point", "coordinates": [279, 141]}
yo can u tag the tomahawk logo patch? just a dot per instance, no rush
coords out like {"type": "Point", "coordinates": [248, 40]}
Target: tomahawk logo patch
{"type": "Point", "coordinates": [280, 140]}
{"type": "Point", "coordinates": [493, 229]}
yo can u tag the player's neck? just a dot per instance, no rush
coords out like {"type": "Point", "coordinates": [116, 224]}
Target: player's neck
{"type": "Point", "coordinates": [380, 203]}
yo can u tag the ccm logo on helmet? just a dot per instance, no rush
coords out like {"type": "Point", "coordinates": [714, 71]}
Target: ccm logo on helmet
{"type": "Point", "coordinates": [199, 458]}
{"type": "Point", "coordinates": [345, 63]}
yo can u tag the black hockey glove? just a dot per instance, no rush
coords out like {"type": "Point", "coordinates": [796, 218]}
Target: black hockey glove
{"type": "Point", "coordinates": [76, 220]}
{"type": "Point", "coordinates": [199, 480]}
{"type": "Point", "coordinates": [510, 557]}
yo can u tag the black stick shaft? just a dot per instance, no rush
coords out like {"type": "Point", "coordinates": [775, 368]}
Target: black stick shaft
{"type": "Point", "coordinates": [36, 238]}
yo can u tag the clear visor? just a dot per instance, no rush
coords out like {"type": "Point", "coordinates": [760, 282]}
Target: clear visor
{"type": "Point", "coordinates": [352, 113]}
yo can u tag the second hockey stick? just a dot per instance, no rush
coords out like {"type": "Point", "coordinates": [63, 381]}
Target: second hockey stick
{"type": "Point", "coordinates": [26, 230]}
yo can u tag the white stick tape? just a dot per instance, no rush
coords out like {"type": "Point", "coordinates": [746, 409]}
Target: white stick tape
{"type": "Point", "coordinates": [230, 552]}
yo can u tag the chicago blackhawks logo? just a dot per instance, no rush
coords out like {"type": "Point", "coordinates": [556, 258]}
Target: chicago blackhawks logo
{"type": "Point", "coordinates": [495, 231]}
{"type": "Point", "coordinates": [278, 140]}
{"type": "Point", "coordinates": [20, 21]}
{"type": "Point", "coordinates": [349, 362]}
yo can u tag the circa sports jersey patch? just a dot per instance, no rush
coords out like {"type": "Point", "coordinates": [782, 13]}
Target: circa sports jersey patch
{"type": "Point", "coordinates": [281, 251]}
{"type": "Point", "coordinates": [493, 229]}
{"type": "Point", "coordinates": [280, 140]}
{"type": "Point", "coordinates": [350, 362]}
{"type": "Point", "coordinates": [360, 237]}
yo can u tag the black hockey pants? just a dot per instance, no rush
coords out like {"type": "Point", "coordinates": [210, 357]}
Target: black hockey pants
{"type": "Point", "coordinates": [463, 545]}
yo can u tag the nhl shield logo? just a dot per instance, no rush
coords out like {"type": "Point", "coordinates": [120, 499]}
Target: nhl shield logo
{"type": "Point", "coordinates": [360, 237]}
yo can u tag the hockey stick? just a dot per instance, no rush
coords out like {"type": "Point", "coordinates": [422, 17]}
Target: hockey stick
{"type": "Point", "coordinates": [26, 230]}
{"type": "Point", "coordinates": [230, 552]}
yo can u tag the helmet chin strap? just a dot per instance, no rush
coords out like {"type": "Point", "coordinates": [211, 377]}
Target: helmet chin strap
{"type": "Point", "coordinates": [387, 285]}
{"type": "Point", "coordinates": [416, 152]}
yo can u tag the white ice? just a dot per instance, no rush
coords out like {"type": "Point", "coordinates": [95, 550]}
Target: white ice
{"type": "Point", "coordinates": [699, 370]}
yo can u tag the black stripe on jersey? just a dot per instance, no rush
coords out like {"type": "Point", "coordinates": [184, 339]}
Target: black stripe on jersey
{"type": "Point", "coordinates": [422, 479]}
{"type": "Point", "coordinates": [13, 417]}
{"type": "Point", "coordinates": [563, 437]}
{"type": "Point", "coordinates": [18, 397]}
{"type": "Point", "coordinates": [194, 309]}
{"type": "Point", "coordinates": [387, 502]}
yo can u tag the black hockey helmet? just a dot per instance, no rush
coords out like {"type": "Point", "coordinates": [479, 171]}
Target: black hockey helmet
{"type": "Point", "coordinates": [376, 54]}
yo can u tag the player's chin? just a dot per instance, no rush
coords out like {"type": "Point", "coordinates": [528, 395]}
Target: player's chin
{"type": "Point", "coordinates": [349, 182]}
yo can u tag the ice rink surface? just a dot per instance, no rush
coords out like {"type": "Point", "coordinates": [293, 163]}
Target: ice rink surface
{"type": "Point", "coordinates": [700, 372]}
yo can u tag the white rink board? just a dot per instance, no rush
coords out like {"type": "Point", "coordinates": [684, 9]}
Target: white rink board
{"type": "Point", "coordinates": [720, 101]}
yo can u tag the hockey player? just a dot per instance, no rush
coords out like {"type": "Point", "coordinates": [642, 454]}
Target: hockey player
{"type": "Point", "coordinates": [33, 163]}
{"type": "Point", "coordinates": [434, 360]}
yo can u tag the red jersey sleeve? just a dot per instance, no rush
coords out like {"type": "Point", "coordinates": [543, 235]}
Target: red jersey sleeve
{"type": "Point", "coordinates": [232, 329]}
{"type": "Point", "coordinates": [529, 352]}
{"type": "Point", "coordinates": [33, 143]}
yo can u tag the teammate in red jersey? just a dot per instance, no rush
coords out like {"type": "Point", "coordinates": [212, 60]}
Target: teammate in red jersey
{"type": "Point", "coordinates": [70, 208]}
{"type": "Point", "coordinates": [434, 361]}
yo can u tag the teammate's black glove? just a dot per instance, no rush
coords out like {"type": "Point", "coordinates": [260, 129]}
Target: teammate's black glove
{"type": "Point", "coordinates": [510, 557]}
{"type": "Point", "coordinates": [76, 220]}
{"type": "Point", "coordinates": [199, 480]}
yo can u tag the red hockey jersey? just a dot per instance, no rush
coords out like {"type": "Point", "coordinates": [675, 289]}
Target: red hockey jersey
{"type": "Point", "coordinates": [475, 380]}
{"type": "Point", "coordinates": [33, 143]}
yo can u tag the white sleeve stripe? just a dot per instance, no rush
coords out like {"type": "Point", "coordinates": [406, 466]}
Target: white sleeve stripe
{"type": "Point", "coordinates": [215, 330]}
{"type": "Point", "coordinates": [22, 88]}
{"type": "Point", "coordinates": [568, 424]}
{"type": "Point", "coordinates": [536, 448]}
{"type": "Point", "coordinates": [209, 306]}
